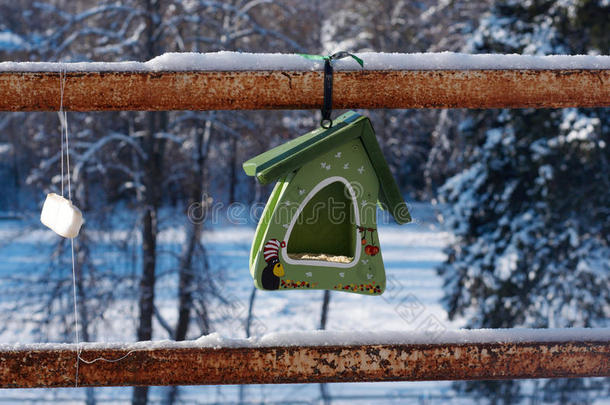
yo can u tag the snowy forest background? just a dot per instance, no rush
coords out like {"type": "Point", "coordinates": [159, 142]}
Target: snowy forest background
{"type": "Point", "coordinates": [515, 202]}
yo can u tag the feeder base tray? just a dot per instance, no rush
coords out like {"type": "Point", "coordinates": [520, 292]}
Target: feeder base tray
{"type": "Point", "coordinates": [323, 257]}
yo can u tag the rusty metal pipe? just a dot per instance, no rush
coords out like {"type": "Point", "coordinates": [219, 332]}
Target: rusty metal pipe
{"type": "Point", "coordinates": [27, 367]}
{"type": "Point", "coordinates": [255, 90]}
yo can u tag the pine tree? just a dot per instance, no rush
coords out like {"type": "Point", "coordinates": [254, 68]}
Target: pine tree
{"type": "Point", "coordinates": [531, 211]}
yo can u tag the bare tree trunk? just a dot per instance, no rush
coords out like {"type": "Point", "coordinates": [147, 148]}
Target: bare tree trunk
{"type": "Point", "coordinates": [82, 259]}
{"type": "Point", "coordinates": [149, 257]}
{"type": "Point", "coordinates": [153, 182]}
{"type": "Point", "coordinates": [147, 282]}
{"type": "Point", "coordinates": [16, 205]}
{"type": "Point", "coordinates": [84, 321]}
{"type": "Point", "coordinates": [323, 318]}
{"type": "Point", "coordinates": [153, 168]}
{"type": "Point", "coordinates": [250, 311]}
{"type": "Point", "coordinates": [185, 285]}
{"type": "Point", "coordinates": [242, 388]}
{"type": "Point", "coordinates": [325, 395]}
{"type": "Point", "coordinates": [194, 229]}
{"type": "Point", "coordinates": [233, 170]}
{"type": "Point", "coordinates": [172, 395]}
{"type": "Point", "coordinates": [324, 315]}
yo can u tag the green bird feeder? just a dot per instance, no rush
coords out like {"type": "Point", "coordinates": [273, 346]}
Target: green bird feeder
{"type": "Point", "coordinates": [319, 227]}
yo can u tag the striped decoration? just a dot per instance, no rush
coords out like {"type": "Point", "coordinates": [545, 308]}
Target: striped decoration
{"type": "Point", "coordinates": [271, 249]}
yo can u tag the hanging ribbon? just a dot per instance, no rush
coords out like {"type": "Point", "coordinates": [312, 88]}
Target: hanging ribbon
{"type": "Point", "coordinates": [327, 105]}
{"type": "Point", "coordinates": [335, 56]}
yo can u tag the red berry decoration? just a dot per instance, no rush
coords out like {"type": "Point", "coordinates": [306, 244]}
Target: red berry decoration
{"type": "Point", "coordinates": [374, 250]}
{"type": "Point", "coordinates": [367, 249]}
{"type": "Point", "coordinates": [363, 241]}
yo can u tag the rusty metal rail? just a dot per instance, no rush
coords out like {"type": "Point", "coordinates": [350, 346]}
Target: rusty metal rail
{"type": "Point", "coordinates": [35, 367]}
{"type": "Point", "coordinates": [252, 90]}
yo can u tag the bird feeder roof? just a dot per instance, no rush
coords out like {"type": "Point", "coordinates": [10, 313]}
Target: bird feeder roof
{"type": "Point", "coordinates": [288, 157]}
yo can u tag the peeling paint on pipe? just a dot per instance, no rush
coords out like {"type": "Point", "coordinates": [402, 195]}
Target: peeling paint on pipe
{"type": "Point", "coordinates": [25, 368]}
{"type": "Point", "coordinates": [257, 90]}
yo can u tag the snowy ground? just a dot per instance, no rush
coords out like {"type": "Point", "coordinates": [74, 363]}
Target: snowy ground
{"type": "Point", "coordinates": [411, 303]}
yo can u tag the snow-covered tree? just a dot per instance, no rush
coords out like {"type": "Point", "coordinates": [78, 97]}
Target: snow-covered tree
{"type": "Point", "coordinates": [419, 162]}
{"type": "Point", "coordinates": [530, 212]}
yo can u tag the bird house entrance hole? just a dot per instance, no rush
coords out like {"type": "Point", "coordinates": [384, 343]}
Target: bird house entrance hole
{"type": "Point", "coordinates": [324, 226]}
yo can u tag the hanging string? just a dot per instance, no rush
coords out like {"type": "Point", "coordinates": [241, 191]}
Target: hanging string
{"type": "Point", "coordinates": [62, 82]}
{"type": "Point", "coordinates": [67, 155]}
{"type": "Point", "coordinates": [65, 148]}
{"type": "Point", "coordinates": [327, 105]}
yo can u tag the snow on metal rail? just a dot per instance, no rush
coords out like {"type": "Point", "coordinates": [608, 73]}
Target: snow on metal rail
{"type": "Point", "coordinates": [230, 81]}
{"type": "Point", "coordinates": [458, 82]}
{"type": "Point", "coordinates": [176, 364]}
